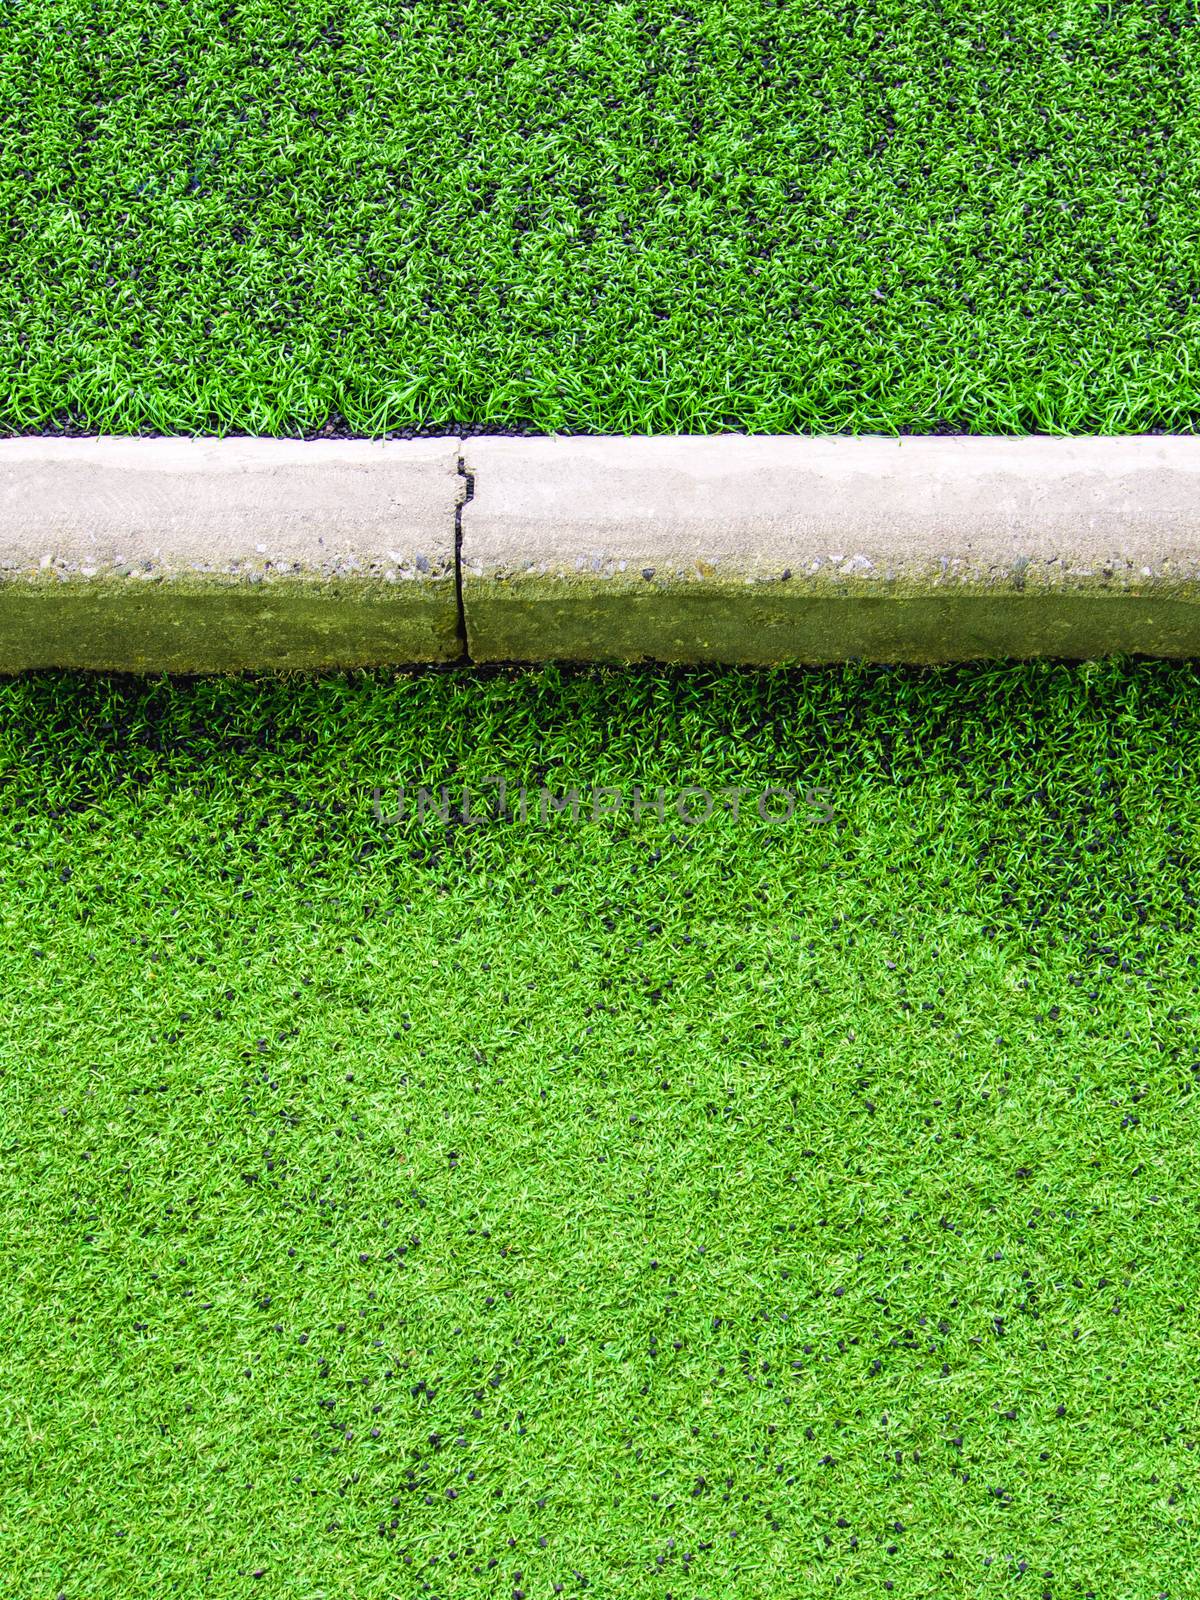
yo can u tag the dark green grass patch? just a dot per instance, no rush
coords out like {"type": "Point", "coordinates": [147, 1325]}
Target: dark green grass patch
{"type": "Point", "coordinates": [609, 1208]}
{"type": "Point", "coordinates": [582, 215]}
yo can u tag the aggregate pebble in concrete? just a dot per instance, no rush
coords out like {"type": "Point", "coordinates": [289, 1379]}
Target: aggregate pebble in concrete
{"type": "Point", "coordinates": [764, 550]}
{"type": "Point", "coordinates": [194, 555]}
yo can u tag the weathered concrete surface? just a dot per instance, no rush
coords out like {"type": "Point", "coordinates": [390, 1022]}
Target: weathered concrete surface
{"type": "Point", "coordinates": [199, 555]}
{"type": "Point", "coordinates": [764, 550]}
{"type": "Point", "coordinates": [189, 555]}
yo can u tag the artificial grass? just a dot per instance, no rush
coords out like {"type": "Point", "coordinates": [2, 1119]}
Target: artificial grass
{"type": "Point", "coordinates": [905, 215]}
{"type": "Point", "coordinates": [400, 1209]}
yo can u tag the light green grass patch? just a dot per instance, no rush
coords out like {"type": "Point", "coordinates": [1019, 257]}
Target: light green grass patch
{"type": "Point", "coordinates": [406, 1210]}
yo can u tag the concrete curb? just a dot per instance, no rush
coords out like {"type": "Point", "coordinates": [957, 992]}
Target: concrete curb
{"type": "Point", "coordinates": [201, 555]}
{"type": "Point", "coordinates": [192, 555]}
{"type": "Point", "coordinates": [764, 550]}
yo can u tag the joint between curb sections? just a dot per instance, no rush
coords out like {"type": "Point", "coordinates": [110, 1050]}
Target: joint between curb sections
{"type": "Point", "coordinates": [466, 495]}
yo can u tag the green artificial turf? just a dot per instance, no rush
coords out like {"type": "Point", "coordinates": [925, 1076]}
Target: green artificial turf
{"type": "Point", "coordinates": [770, 215]}
{"type": "Point", "coordinates": [625, 1209]}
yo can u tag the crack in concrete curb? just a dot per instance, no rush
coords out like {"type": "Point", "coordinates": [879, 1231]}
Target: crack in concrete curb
{"type": "Point", "coordinates": [193, 555]}
{"type": "Point", "coordinates": [465, 498]}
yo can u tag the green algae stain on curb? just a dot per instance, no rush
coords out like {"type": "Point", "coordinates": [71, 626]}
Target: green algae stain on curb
{"type": "Point", "coordinates": [683, 626]}
{"type": "Point", "coordinates": [223, 627]}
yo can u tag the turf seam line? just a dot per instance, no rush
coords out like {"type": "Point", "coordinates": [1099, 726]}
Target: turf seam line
{"type": "Point", "coordinates": [466, 495]}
